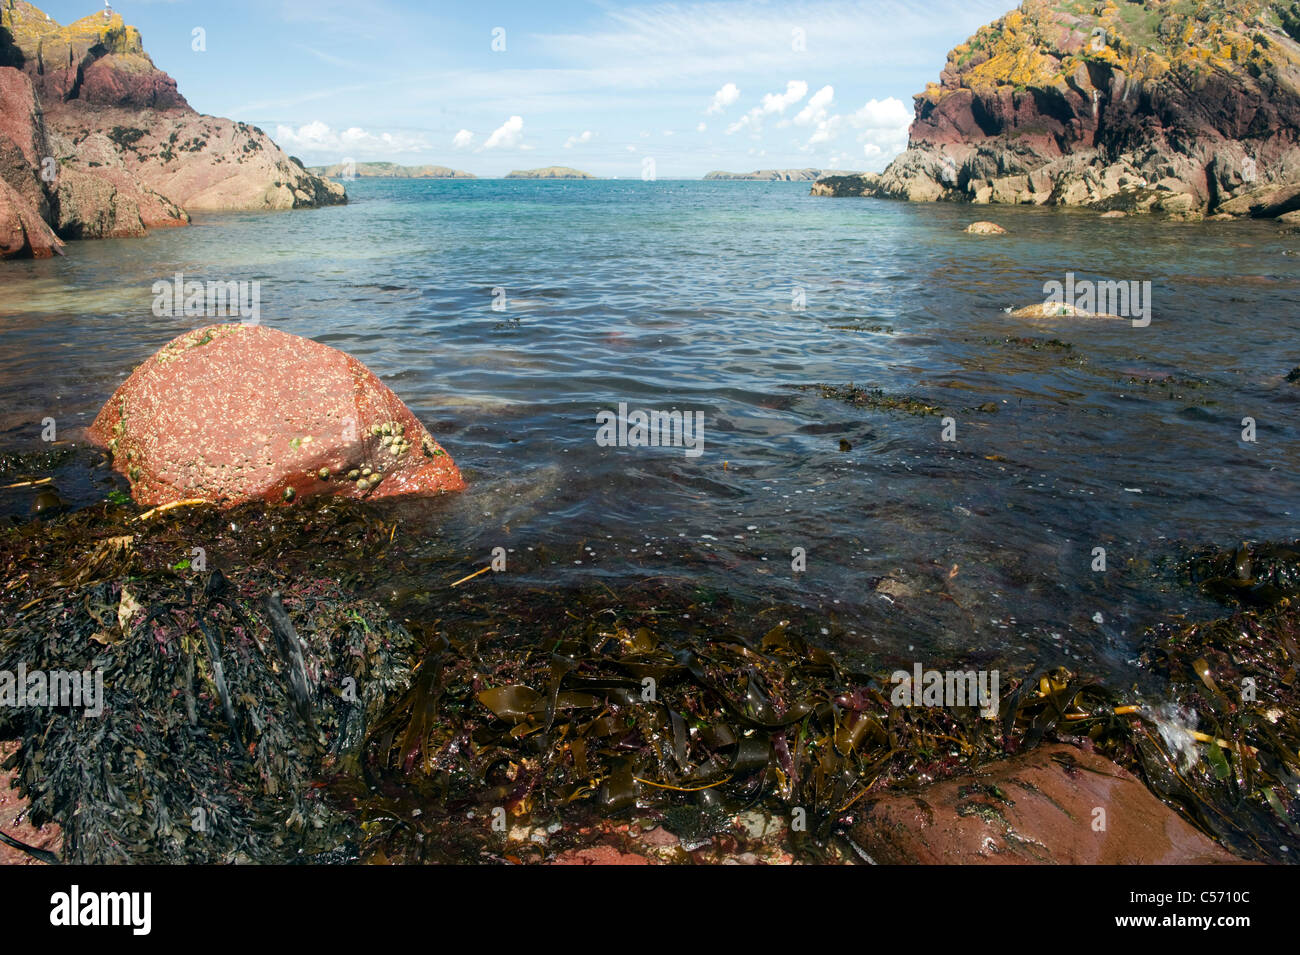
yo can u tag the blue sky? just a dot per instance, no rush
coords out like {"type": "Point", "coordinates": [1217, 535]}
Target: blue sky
{"type": "Point", "coordinates": [603, 86]}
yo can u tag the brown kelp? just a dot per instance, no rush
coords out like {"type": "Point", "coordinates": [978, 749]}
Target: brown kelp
{"type": "Point", "coordinates": [226, 697]}
{"type": "Point", "coordinates": [314, 690]}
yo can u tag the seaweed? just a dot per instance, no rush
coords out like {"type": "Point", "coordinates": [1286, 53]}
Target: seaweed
{"type": "Point", "coordinates": [320, 691]}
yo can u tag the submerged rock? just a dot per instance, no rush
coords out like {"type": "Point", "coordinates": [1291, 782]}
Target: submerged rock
{"type": "Point", "coordinates": [1054, 804]}
{"type": "Point", "coordinates": [234, 413]}
{"type": "Point", "coordinates": [1060, 310]}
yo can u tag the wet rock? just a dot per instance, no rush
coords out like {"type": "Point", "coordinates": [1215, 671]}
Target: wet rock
{"type": "Point", "coordinates": [599, 855]}
{"type": "Point", "coordinates": [14, 822]}
{"type": "Point", "coordinates": [1059, 310]}
{"type": "Point", "coordinates": [1038, 807]}
{"type": "Point", "coordinates": [1114, 214]}
{"type": "Point", "coordinates": [847, 185]}
{"type": "Point", "coordinates": [233, 413]}
{"type": "Point", "coordinates": [985, 228]}
{"type": "Point", "coordinates": [1266, 202]}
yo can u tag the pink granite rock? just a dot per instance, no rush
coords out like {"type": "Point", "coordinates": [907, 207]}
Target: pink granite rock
{"type": "Point", "coordinates": [234, 413]}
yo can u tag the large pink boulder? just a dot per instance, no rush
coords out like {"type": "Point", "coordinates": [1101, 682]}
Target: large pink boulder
{"type": "Point", "coordinates": [233, 413]}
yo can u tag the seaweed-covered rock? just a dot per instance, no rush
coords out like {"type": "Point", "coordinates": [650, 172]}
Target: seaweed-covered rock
{"type": "Point", "coordinates": [221, 707]}
{"type": "Point", "coordinates": [233, 413]}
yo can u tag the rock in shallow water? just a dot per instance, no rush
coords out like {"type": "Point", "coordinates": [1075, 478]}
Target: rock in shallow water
{"type": "Point", "coordinates": [234, 413]}
{"type": "Point", "coordinates": [1038, 807]}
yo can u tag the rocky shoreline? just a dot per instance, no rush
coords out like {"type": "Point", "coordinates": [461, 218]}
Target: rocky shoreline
{"type": "Point", "coordinates": [1134, 107]}
{"type": "Point", "coordinates": [532, 743]}
{"type": "Point", "coordinates": [96, 142]}
{"type": "Point", "coordinates": [336, 693]}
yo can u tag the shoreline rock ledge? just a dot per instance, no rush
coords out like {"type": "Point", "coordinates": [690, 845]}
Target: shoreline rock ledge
{"type": "Point", "coordinates": [96, 142]}
{"type": "Point", "coordinates": [1146, 106]}
{"type": "Point", "coordinates": [236, 413]}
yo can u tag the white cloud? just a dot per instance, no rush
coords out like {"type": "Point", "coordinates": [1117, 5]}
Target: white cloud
{"type": "Point", "coordinates": [795, 90]}
{"type": "Point", "coordinates": [815, 110]}
{"type": "Point", "coordinates": [584, 137]}
{"type": "Point", "coordinates": [317, 137]}
{"type": "Point", "coordinates": [507, 135]}
{"type": "Point", "coordinates": [701, 128]}
{"type": "Point", "coordinates": [724, 98]}
{"type": "Point", "coordinates": [882, 114]}
{"type": "Point", "coordinates": [881, 127]}
{"type": "Point", "coordinates": [463, 139]}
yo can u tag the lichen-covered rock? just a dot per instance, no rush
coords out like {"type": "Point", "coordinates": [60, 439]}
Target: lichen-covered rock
{"type": "Point", "coordinates": [234, 413]}
{"type": "Point", "coordinates": [1149, 106]}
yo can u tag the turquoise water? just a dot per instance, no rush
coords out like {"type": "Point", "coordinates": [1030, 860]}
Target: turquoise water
{"type": "Point", "coordinates": [679, 295]}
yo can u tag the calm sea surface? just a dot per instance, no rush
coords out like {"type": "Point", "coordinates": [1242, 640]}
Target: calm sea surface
{"type": "Point", "coordinates": [681, 295]}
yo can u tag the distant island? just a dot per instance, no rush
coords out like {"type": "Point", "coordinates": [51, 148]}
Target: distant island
{"type": "Point", "coordinates": [388, 170]}
{"type": "Point", "coordinates": [780, 175]}
{"type": "Point", "coordinates": [550, 172]}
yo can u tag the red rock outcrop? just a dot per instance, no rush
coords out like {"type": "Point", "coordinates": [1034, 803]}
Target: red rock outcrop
{"type": "Point", "coordinates": [95, 141]}
{"type": "Point", "coordinates": [234, 413]}
{"type": "Point", "coordinates": [1054, 804]}
{"type": "Point", "coordinates": [1140, 106]}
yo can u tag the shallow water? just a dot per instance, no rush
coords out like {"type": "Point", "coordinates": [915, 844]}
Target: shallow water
{"type": "Point", "coordinates": [679, 295]}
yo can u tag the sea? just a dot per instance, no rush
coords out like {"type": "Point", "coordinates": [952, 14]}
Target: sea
{"type": "Point", "coordinates": [883, 448]}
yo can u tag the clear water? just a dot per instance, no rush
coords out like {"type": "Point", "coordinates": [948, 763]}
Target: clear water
{"type": "Point", "coordinates": [679, 295]}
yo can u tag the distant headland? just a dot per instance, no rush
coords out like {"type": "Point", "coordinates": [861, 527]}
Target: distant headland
{"type": "Point", "coordinates": [780, 175]}
{"type": "Point", "coordinates": [387, 170]}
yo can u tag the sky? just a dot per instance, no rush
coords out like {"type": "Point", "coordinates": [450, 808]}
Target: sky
{"type": "Point", "coordinates": [614, 89]}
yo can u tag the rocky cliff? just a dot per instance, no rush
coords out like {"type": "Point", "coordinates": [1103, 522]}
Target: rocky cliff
{"type": "Point", "coordinates": [96, 141]}
{"type": "Point", "coordinates": [1180, 106]}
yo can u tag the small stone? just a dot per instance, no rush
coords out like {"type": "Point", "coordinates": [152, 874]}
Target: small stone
{"type": "Point", "coordinates": [323, 474]}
